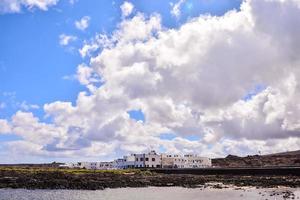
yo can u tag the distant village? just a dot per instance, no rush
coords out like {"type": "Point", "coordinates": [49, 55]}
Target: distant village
{"type": "Point", "coordinates": [147, 160]}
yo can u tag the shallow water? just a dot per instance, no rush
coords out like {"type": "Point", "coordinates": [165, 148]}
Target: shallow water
{"type": "Point", "coordinates": [150, 193]}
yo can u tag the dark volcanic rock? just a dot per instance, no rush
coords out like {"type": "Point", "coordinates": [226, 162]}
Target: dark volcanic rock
{"type": "Point", "coordinates": [90, 180]}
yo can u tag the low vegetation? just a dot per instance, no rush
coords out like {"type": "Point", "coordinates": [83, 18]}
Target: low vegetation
{"type": "Point", "coordinates": [72, 171]}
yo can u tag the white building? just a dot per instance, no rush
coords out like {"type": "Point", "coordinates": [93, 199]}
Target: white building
{"type": "Point", "coordinates": [125, 162]}
{"type": "Point", "coordinates": [91, 165]}
{"type": "Point", "coordinates": [196, 161]}
{"type": "Point", "coordinates": [129, 161]}
{"type": "Point", "coordinates": [139, 160]}
{"type": "Point", "coordinates": [172, 161]}
{"type": "Point", "coordinates": [105, 165]}
{"type": "Point", "coordinates": [186, 161]}
{"type": "Point", "coordinates": [119, 163]}
{"type": "Point", "coordinates": [87, 165]}
{"type": "Point", "coordinates": [147, 160]}
{"type": "Point", "coordinates": [70, 165]}
{"type": "Point", "coordinates": [152, 160]}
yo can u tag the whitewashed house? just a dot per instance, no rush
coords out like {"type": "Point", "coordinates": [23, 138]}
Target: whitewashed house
{"type": "Point", "coordinates": [147, 160]}
{"type": "Point", "coordinates": [186, 161]}
{"type": "Point", "coordinates": [94, 165]}
{"type": "Point", "coordinates": [139, 160]}
{"type": "Point", "coordinates": [172, 161]}
{"type": "Point", "coordinates": [87, 165]}
{"type": "Point", "coordinates": [196, 161]}
{"type": "Point", "coordinates": [129, 161]}
{"type": "Point", "coordinates": [70, 165]}
{"type": "Point", "coordinates": [152, 160]}
{"type": "Point", "coordinates": [105, 165]}
{"type": "Point", "coordinates": [119, 163]}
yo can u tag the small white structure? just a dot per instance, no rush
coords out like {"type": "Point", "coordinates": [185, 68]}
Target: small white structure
{"type": "Point", "coordinates": [93, 165]}
{"type": "Point", "coordinates": [105, 165]}
{"type": "Point", "coordinates": [70, 165]}
{"type": "Point", "coordinates": [86, 165]}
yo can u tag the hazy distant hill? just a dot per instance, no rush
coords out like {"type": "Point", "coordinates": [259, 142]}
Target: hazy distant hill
{"type": "Point", "coordinates": [285, 153]}
{"type": "Point", "coordinates": [279, 159]}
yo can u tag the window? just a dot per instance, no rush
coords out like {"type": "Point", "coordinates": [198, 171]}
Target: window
{"type": "Point", "coordinates": [137, 159]}
{"type": "Point", "coordinates": [147, 159]}
{"type": "Point", "coordinates": [141, 159]}
{"type": "Point", "coordinates": [153, 159]}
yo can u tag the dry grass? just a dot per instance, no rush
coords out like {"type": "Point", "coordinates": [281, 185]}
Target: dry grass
{"type": "Point", "coordinates": [73, 171]}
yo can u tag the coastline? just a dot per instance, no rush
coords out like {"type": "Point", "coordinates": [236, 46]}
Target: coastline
{"type": "Point", "coordinates": [158, 193]}
{"type": "Point", "coordinates": [53, 178]}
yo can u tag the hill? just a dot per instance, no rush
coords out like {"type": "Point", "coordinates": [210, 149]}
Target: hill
{"type": "Point", "coordinates": [279, 159]}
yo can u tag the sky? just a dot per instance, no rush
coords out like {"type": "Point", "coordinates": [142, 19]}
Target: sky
{"type": "Point", "coordinates": [86, 80]}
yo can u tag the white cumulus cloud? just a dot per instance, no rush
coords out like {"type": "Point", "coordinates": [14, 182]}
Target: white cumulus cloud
{"type": "Point", "coordinates": [15, 6]}
{"type": "Point", "coordinates": [126, 8]}
{"type": "Point", "coordinates": [83, 23]}
{"type": "Point", "coordinates": [4, 126]}
{"type": "Point", "coordinates": [66, 39]}
{"type": "Point", "coordinates": [175, 11]}
{"type": "Point", "coordinates": [187, 81]}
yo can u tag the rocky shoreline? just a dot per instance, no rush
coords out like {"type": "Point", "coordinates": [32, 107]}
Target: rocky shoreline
{"type": "Point", "coordinates": [98, 180]}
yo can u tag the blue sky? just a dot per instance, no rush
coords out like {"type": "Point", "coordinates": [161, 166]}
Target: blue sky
{"type": "Point", "coordinates": [33, 63]}
{"type": "Point", "coordinates": [192, 83]}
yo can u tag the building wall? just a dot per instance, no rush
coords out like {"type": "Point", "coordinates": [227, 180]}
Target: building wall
{"type": "Point", "coordinates": [119, 164]}
{"type": "Point", "coordinates": [129, 161]}
{"type": "Point", "coordinates": [195, 161]}
{"type": "Point", "coordinates": [152, 160]}
{"type": "Point", "coordinates": [139, 160]}
{"type": "Point", "coordinates": [105, 165]}
{"type": "Point", "coordinates": [88, 165]}
{"type": "Point", "coordinates": [70, 165]}
{"type": "Point", "coordinates": [186, 161]}
{"type": "Point", "coordinates": [167, 161]}
{"type": "Point", "coordinates": [95, 165]}
{"type": "Point", "coordinates": [173, 161]}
